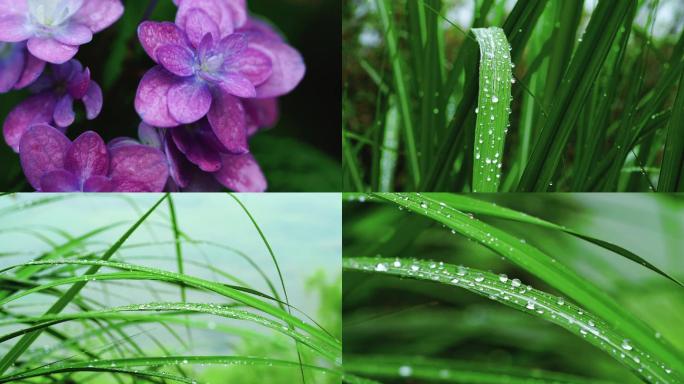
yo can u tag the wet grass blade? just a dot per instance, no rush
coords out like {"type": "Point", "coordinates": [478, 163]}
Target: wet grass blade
{"type": "Point", "coordinates": [493, 108]}
{"type": "Point", "coordinates": [541, 265]}
{"type": "Point", "coordinates": [20, 347]}
{"type": "Point", "coordinates": [672, 169]}
{"type": "Point", "coordinates": [643, 361]}
{"type": "Point", "coordinates": [177, 242]}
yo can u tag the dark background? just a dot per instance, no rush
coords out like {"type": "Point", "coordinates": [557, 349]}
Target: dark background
{"type": "Point", "coordinates": [302, 153]}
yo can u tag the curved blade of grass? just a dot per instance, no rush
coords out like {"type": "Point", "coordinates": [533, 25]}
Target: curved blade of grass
{"type": "Point", "coordinates": [544, 267]}
{"type": "Point", "coordinates": [586, 63]}
{"type": "Point", "coordinates": [493, 108]}
{"type": "Point", "coordinates": [672, 169]}
{"type": "Point", "coordinates": [592, 328]}
{"type": "Point", "coordinates": [477, 206]}
{"type": "Point", "coordinates": [126, 365]}
{"type": "Point", "coordinates": [177, 243]}
{"type": "Point", "coordinates": [449, 371]}
{"type": "Point", "coordinates": [58, 306]}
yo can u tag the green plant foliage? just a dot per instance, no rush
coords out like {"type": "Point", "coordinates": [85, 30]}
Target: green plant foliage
{"type": "Point", "coordinates": [592, 105]}
{"type": "Point", "coordinates": [420, 327]}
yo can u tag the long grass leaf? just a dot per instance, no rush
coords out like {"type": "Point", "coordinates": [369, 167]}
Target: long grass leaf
{"type": "Point", "coordinates": [672, 169]}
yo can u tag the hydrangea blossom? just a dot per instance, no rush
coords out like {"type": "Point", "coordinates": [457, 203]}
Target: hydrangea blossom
{"type": "Point", "coordinates": [204, 70]}
{"type": "Point", "coordinates": [57, 89]}
{"type": "Point", "coordinates": [18, 68]}
{"type": "Point", "coordinates": [54, 29]}
{"type": "Point", "coordinates": [52, 163]}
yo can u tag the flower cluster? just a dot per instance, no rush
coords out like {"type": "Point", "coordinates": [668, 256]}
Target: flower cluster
{"type": "Point", "coordinates": [218, 74]}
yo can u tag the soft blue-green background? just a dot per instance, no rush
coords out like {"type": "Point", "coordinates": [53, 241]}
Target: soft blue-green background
{"type": "Point", "coordinates": [303, 229]}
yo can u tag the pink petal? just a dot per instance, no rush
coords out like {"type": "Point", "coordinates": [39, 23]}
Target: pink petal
{"type": "Point", "coordinates": [217, 11]}
{"type": "Point", "coordinates": [32, 70]}
{"type": "Point", "coordinates": [51, 50]}
{"type": "Point", "coordinates": [288, 66]}
{"type": "Point", "coordinates": [227, 120]}
{"type": "Point", "coordinates": [138, 168]}
{"type": "Point", "coordinates": [99, 14]}
{"type": "Point", "coordinates": [42, 150]}
{"type": "Point", "coordinates": [87, 156]}
{"type": "Point", "coordinates": [198, 24]}
{"type": "Point", "coordinates": [151, 99]}
{"type": "Point", "coordinates": [11, 67]}
{"type": "Point", "coordinates": [189, 101]}
{"type": "Point", "coordinates": [60, 181]}
{"type": "Point", "coordinates": [79, 83]}
{"type": "Point", "coordinates": [8, 7]}
{"type": "Point", "coordinates": [93, 100]}
{"type": "Point", "coordinates": [176, 59]}
{"type": "Point", "coordinates": [98, 184]}
{"type": "Point", "coordinates": [253, 64]}
{"type": "Point", "coordinates": [238, 85]}
{"type": "Point", "coordinates": [36, 109]}
{"type": "Point", "coordinates": [64, 112]}
{"type": "Point", "coordinates": [179, 168]}
{"type": "Point", "coordinates": [233, 44]}
{"type": "Point", "coordinates": [153, 35]}
{"type": "Point", "coordinates": [74, 34]}
{"type": "Point", "coordinates": [241, 173]}
{"type": "Point", "coordinates": [14, 28]}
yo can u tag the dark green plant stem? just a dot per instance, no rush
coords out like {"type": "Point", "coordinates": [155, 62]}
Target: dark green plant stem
{"type": "Point", "coordinates": [672, 169]}
{"type": "Point", "coordinates": [26, 341]}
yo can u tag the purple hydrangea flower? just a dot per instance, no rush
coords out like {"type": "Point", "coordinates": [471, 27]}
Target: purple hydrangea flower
{"type": "Point", "coordinates": [53, 104]}
{"type": "Point", "coordinates": [18, 68]}
{"type": "Point", "coordinates": [52, 163]}
{"type": "Point", "coordinates": [202, 73]}
{"type": "Point", "coordinates": [54, 29]}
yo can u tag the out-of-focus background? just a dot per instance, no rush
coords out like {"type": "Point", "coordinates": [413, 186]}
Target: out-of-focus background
{"type": "Point", "coordinates": [302, 153]}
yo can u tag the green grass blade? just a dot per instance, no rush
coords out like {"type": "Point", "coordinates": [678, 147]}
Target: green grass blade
{"type": "Point", "coordinates": [511, 292]}
{"type": "Point", "coordinates": [672, 169]}
{"type": "Point", "coordinates": [401, 87]}
{"type": "Point", "coordinates": [448, 371]}
{"type": "Point", "coordinates": [177, 243]}
{"type": "Point", "coordinates": [389, 152]}
{"type": "Point", "coordinates": [541, 265]}
{"type": "Point", "coordinates": [26, 341]}
{"type": "Point", "coordinates": [494, 103]}
{"type": "Point", "coordinates": [477, 206]}
{"type": "Point", "coordinates": [586, 63]}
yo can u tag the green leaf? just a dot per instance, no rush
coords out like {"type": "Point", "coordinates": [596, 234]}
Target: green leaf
{"type": "Point", "coordinates": [511, 292]}
{"type": "Point", "coordinates": [672, 170]}
{"type": "Point", "coordinates": [493, 108]}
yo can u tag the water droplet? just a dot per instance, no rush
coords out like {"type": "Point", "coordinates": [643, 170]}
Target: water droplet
{"type": "Point", "coordinates": [491, 117]}
{"type": "Point", "coordinates": [515, 283]}
{"type": "Point", "coordinates": [477, 110]}
{"type": "Point", "coordinates": [625, 345]}
{"type": "Point", "coordinates": [495, 99]}
{"type": "Point", "coordinates": [397, 263]}
{"type": "Point", "coordinates": [561, 301]}
{"type": "Point", "coordinates": [455, 281]}
{"type": "Point", "coordinates": [530, 305]}
{"type": "Point", "coordinates": [503, 278]}
{"type": "Point", "coordinates": [405, 371]}
{"type": "Point", "coordinates": [423, 205]}
{"type": "Point", "coordinates": [414, 268]}
{"type": "Point", "coordinates": [381, 267]}
{"type": "Point", "coordinates": [479, 279]}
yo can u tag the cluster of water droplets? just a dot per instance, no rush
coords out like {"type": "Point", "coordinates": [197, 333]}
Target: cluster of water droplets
{"type": "Point", "coordinates": [493, 108]}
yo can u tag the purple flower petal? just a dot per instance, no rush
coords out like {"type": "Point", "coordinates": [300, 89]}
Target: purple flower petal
{"type": "Point", "coordinates": [288, 66]}
{"type": "Point", "coordinates": [59, 181]}
{"type": "Point", "coordinates": [196, 149]}
{"type": "Point", "coordinates": [137, 168]}
{"type": "Point", "coordinates": [262, 28]}
{"type": "Point", "coordinates": [42, 150]}
{"type": "Point", "coordinates": [238, 85]}
{"type": "Point", "coordinates": [93, 100]}
{"type": "Point", "coordinates": [198, 24]}
{"type": "Point", "coordinates": [217, 11]}
{"type": "Point", "coordinates": [11, 67]}
{"type": "Point", "coordinates": [153, 35]}
{"type": "Point", "coordinates": [14, 28]}
{"type": "Point", "coordinates": [251, 63]}
{"type": "Point", "coordinates": [122, 142]}
{"type": "Point", "coordinates": [151, 99]}
{"type": "Point", "coordinates": [87, 156]}
{"type": "Point", "coordinates": [241, 173]}
{"type": "Point", "coordinates": [32, 70]}
{"type": "Point", "coordinates": [64, 114]}
{"type": "Point", "coordinates": [51, 50]}
{"type": "Point", "coordinates": [233, 44]}
{"type": "Point", "coordinates": [149, 135]}
{"type": "Point", "coordinates": [74, 34]}
{"type": "Point", "coordinates": [189, 101]}
{"type": "Point", "coordinates": [36, 109]}
{"type": "Point", "coordinates": [98, 184]}
{"type": "Point", "coordinates": [99, 14]}
{"type": "Point", "coordinates": [176, 59]}
{"type": "Point", "coordinates": [78, 84]}
{"type": "Point", "coordinates": [261, 113]}
{"type": "Point", "coordinates": [8, 7]}
{"type": "Point", "coordinates": [180, 169]}
{"type": "Point", "coordinates": [227, 120]}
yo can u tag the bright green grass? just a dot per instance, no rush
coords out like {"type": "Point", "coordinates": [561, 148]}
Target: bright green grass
{"type": "Point", "coordinates": [594, 101]}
